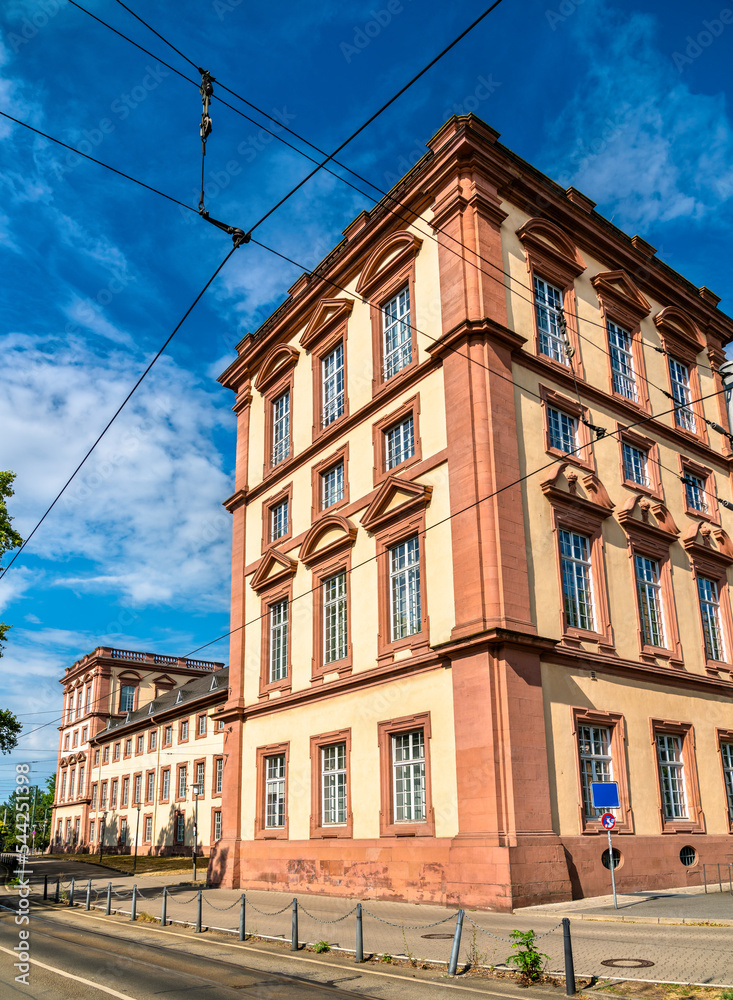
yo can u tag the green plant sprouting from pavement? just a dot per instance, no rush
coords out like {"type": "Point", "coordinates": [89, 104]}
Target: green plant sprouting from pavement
{"type": "Point", "coordinates": [527, 959]}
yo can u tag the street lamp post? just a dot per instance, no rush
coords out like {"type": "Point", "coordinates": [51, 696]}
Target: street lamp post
{"type": "Point", "coordinates": [102, 824]}
{"type": "Point", "coordinates": [198, 789]}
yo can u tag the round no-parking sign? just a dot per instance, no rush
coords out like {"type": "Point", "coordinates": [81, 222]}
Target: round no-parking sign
{"type": "Point", "coordinates": [608, 821]}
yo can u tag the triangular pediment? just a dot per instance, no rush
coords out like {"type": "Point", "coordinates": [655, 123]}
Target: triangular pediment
{"type": "Point", "coordinates": [617, 292]}
{"type": "Point", "coordinates": [275, 364]}
{"type": "Point", "coordinates": [274, 567]}
{"type": "Point", "coordinates": [329, 535]}
{"type": "Point", "coordinates": [392, 253]}
{"type": "Point", "coordinates": [327, 315]}
{"type": "Point", "coordinates": [395, 498]}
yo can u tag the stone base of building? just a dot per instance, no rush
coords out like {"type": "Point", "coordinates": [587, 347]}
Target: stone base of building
{"type": "Point", "coordinates": [466, 872]}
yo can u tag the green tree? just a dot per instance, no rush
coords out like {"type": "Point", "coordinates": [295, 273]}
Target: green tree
{"type": "Point", "coordinates": [10, 727]}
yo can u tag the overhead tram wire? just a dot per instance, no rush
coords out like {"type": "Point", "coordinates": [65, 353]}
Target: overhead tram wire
{"type": "Point", "coordinates": [118, 411]}
{"type": "Point", "coordinates": [384, 194]}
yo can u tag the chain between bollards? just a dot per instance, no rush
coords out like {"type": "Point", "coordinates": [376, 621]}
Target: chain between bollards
{"type": "Point", "coordinates": [242, 905]}
{"type": "Point", "coordinates": [359, 934]}
{"type": "Point", "coordinates": [133, 911]}
{"type": "Point", "coordinates": [294, 933]}
{"type": "Point", "coordinates": [455, 950]}
{"type": "Point", "coordinates": [570, 989]}
{"type": "Point", "coordinates": [164, 907]}
{"type": "Point", "coordinates": [198, 912]}
{"type": "Point", "coordinates": [88, 904]}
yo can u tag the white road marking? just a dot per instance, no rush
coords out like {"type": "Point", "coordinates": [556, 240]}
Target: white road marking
{"type": "Point", "coordinates": [70, 975]}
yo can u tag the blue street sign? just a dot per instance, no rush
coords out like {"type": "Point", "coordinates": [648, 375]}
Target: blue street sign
{"type": "Point", "coordinates": [605, 794]}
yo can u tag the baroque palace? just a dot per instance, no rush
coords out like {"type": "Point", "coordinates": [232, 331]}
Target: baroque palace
{"type": "Point", "coordinates": [481, 558]}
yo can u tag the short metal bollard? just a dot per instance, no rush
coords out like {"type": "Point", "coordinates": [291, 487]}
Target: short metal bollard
{"type": "Point", "coordinates": [455, 950]}
{"type": "Point", "coordinates": [242, 905]}
{"type": "Point", "coordinates": [58, 889]}
{"type": "Point", "coordinates": [133, 913]}
{"type": "Point", "coordinates": [570, 989]}
{"type": "Point", "coordinates": [45, 887]}
{"type": "Point", "coordinates": [198, 912]}
{"type": "Point", "coordinates": [71, 892]}
{"type": "Point", "coordinates": [294, 933]}
{"type": "Point", "coordinates": [359, 934]}
{"type": "Point", "coordinates": [88, 905]}
{"type": "Point", "coordinates": [164, 907]}
{"type": "Point", "coordinates": [109, 898]}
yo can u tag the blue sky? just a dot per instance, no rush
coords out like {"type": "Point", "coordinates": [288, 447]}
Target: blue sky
{"type": "Point", "coordinates": [629, 103]}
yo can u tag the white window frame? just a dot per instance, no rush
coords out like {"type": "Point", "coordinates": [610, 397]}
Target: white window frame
{"type": "Point", "coordinates": [219, 775]}
{"type": "Point", "coordinates": [333, 388]}
{"type": "Point", "coordinates": [726, 753]}
{"type": "Point", "coordinates": [647, 572]}
{"type": "Point", "coordinates": [335, 618]}
{"type": "Point", "coordinates": [334, 806]}
{"type": "Point", "coordinates": [137, 790]}
{"type": "Point", "coordinates": [148, 829]}
{"type": "Point", "coordinates": [396, 333]}
{"type": "Point", "coordinates": [201, 723]}
{"type": "Point", "coordinates": [127, 698]}
{"type": "Point", "coordinates": [279, 519]}
{"type": "Point", "coordinates": [712, 622]}
{"type": "Point", "coordinates": [596, 762]}
{"type": "Point", "coordinates": [405, 611]}
{"type": "Point", "coordinates": [548, 304]}
{"type": "Point", "coordinates": [201, 773]}
{"type": "Point", "coordinates": [562, 430]}
{"type": "Point", "coordinates": [182, 781]}
{"type": "Point", "coordinates": [275, 792]}
{"type": "Point", "coordinates": [670, 761]}
{"type": "Point", "coordinates": [333, 482]}
{"type": "Point", "coordinates": [695, 492]}
{"type": "Point", "coordinates": [408, 776]}
{"type": "Point", "coordinates": [150, 790]}
{"type": "Point", "coordinates": [217, 825]}
{"type": "Point", "coordinates": [577, 580]}
{"type": "Point", "coordinates": [679, 375]}
{"type": "Point", "coordinates": [281, 427]}
{"type": "Point", "coordinates": [125, 791]}
{"type": "Point", "coordinates": [165, 790]}
{"type": "Point", "coordinates": [636, 464]}
{"type": "Point", "coordinates": [399, 442]}
{"type": "Point", "coordinates": [277, 666]}
{"type": "Point", "coordinates": [622, 361]}
{"type": "Point", "coordinates": [113, 793]}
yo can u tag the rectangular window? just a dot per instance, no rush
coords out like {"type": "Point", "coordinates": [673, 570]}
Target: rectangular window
{"type": "Point", "coordinates": [88, 707]}
{"type": "Point", "coordinates": [396, 332]}
{"type": "Point", "coordinates": [279, 519]}
{"type": "Point", "coordinates": [275, 791]}
{"type": "Point", "coordinates": [138, 789]}
{"type": "Point", "coordinates": [123, 830]}
{"type": "Point", "coordinates": [334, 395]}
{"type": "Point", "coordinates": [82, 770]}
{"type": "Point", "coordinates": [695, 492]}
{"type": "Point", "coordinates": [594, 743]}
{"type": "Point", "coordinates": [184, 729]}
{"type": "Point", "coordinates": [116, 752]}
{"type": "Point", "coordinates": [335, 645]}
{"type": "Point", "coordinates": [125, 791]}
{"type": "Point", "coordinates": [63, 785]}
{"type": "Point", "coordinates": [404, 589]}
{"type": "Point", "coordinates": [332, 485]}
{"type": "Point", "coordinates": [168, 736]}
{"type": "Point", "coordinates": [649, 590]}
{"type": "Point", "coordinates": [680, 377]}
{"type": "Point", "coordinates": [707, 591]}
{"type": "Point", "coordinates": [85, 734]}
{"type": "Point", "coordinates": [563, 430]}
{"type": "Point", "coordinates": [180, 828]}
{"type": "Point", "coordinates": [127, 698]}
{"type": "Point", "coordinates": [622, 362]}
{"type": "Point", "coordinates": [201, 776]}
{"type": "Point", "coordinates": [154, 739]}
{"type": "Point", "coordinates": [182, 781]}
{"type": "Point", "coordinates": [96, 758]}
{"type": "Point", "coordinates": [67, 739]}
{"type": "Point", "coordinates": [103, 801]}
{"type": "Point", "coordinates": [150, 792]}
{"type": "Point", "coordinates": [576, 580]}
{"type": "Point", "coordinates": [219, 775]}
{"type": "Point", "coordinates": [726, 750]}
{"type": "Point", "coordinates": [635, 464]}
{"type": "Point", "coordinates": [202, 725]}
{"type": "Point", "coordinates": [94, 797]}
{"type": "Point", "coordinates": [75, 741]}
{"type": "Point", "coordinates": [165, 784]}
{"type": "Point", "coordinates": [92, 826]}
{"type": "Point", "coordinates": [672, 776]}
{"type": "Point", "coordinates": [217, 825]}
{"type": "Point", "coordinates": [113, 795]}
{"type": "Point", "coordinates": [105, 755]}
{"type": "Point", "coordinates": [72, 778]}
{"type": "Point", "coordinates": [399, 443]}
{"type": "Point", "coordinates": [147, 836]}
{"type": "Point", "coordinates": [333, 784]}
{"type": "Point", "coordinates": [408, 779]}
{"type": "Point", "coordinates": [548, 307]}
{"type": "Point", "coordinates": [278, 667]}
{"type": "Point", "coordinates": [128, 748]}
{"type": "Point", "coordinates": [140, 743]}
{"type": "Point", "coordinates": [281, 428]}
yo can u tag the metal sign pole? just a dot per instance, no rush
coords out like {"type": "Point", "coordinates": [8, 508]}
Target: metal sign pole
{"type": "Point", "coordinates": [612, 866]}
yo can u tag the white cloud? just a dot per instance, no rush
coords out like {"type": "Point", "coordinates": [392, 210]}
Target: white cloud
{"type": "Point", "coordinates": [630, 138]}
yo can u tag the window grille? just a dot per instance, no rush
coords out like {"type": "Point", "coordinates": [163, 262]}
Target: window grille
{"type": "Point", "coordinates": [334, 618]}
{"type": "Point", "coordinates": [275, 791]}
{"type": "Point", "coordinates": [404, 589]}
{"type": "Point", "coordinates": [649, 589]}
{"type": "Point", "coordinates": [278, 640]}
{"type": "Point", "coordinates": [548, 307]}
{"type": "Point", "coordinates": [711, 624]}
{"type": "Point", "coordinates": [594, 743]}
{"type": "Point", "coordinates": [281, 428]}
{"type": "Point", "coordinates": [563, 430]}
{"type": "Point", "coordinates": [622, 362]}
{"type": "Point", "coordinates": [333, 485]}
{"type": "Point", "coordinates": [672, 776]}
{"type": "Point", "coordinates": [397, 336]}
{"type": "Point", "coordinates": [333, 779]}
{"type": "Point", "coordinates": [576, 580]}
{"type": "Point", "coordinates": [400, 443]}
{"type": "Point", "coordinates": [334, 395]}
{"type": "Point", "coordinates": [408, 763]}
{"type": "Point", "coordinates": [680, 378]}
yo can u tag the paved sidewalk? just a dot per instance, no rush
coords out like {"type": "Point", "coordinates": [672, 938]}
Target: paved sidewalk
{"type": "Point", "coordinates": [677, 953]}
